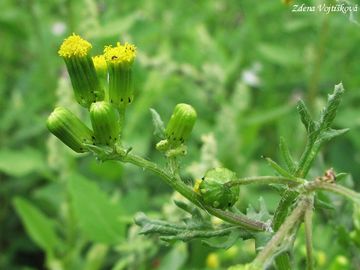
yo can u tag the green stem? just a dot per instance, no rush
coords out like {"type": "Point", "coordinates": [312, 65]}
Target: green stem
{"type": "Point", "coordinates": [348, 193]}
{"type": "Point", "coordinates": [187, 192]}
{"type": "Point", "coordinates": [308, 234]}
{"type": "Point", "coordinates": [265, 255]}
{"type": "Point", "coordinates": [266, 180]}
{"type": "Point", "coordinates": [174, 167]}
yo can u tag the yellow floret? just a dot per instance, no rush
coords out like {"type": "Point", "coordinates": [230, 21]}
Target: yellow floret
{"type": "Point", "coordinates": [212, 261]}
{"type": "Point", "coordinates": [74, 45]}
{"type": "Point", "coordinates": [99, 62]}
{"type": "Point", "coordinates": [197, 185]}
{"type": "Point", "coordinates": [120, 54]}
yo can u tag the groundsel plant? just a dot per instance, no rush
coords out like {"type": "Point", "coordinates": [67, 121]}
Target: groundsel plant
{"type": "Point", "coordinates": [104, 85]}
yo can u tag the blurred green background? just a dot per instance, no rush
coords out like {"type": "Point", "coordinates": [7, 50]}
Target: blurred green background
{"type": "Point", "coordinates": [241, 64]}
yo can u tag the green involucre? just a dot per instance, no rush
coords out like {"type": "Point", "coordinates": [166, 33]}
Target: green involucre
{"type": "Point", "coordinates": [105, 122]}
{"type": "Point", "coordinates": [69, 129]}
{"type": "Point", "coordinates": [121, 87]}
{"type": "Point", "coordinates": [86, 85]}
{"type": "Point", "coordinates": [214, 191]}
{"type": "Point", "coordinates": [180, 125]}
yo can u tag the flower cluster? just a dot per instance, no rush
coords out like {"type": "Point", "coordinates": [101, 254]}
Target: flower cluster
{"type": "Point", "coordinates": [104, 85]}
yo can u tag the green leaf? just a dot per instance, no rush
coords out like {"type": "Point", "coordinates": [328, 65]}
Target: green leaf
{"type": "Point", "coordinates": [331, 133]}
{"type": "Point", "coordinates": [263, 213]}
{"type": "Point", "coordinates": [356, 216]}
{"type": "Point", "coordinates": [278, 168]}
{"type": "Point", "coordinates": [95, 257]}
{"type": "Point", "coordinates": [98, 217]}
{"type": "Point", "coordinates": [306, 119]}
{"type": "Point", "coordinates": [21, 162]}
{"type": "Point", "coordinates": [38, 226]}
{"type": "Point", "coordinates": [321, 204]}
{"type": "Point", "coordinates": [159, 128]}
{"type": "Point", "coordinates": [279, 54]}
{"type": "Point", "coordinates": [115, 27]}
{"type": "Point", "coordinates": [329, 112]}
{"type": "Point", "coordinates": [175, 259]}
{"type": "Point", "coordinates": [285, 153]}
{"type": "Point", "coordinates": [224, 242]}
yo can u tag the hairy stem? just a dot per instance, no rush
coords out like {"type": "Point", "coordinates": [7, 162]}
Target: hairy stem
{"type": "Point", "coordinates": [266, 180]}
{"type": "Point", "coordinates": [308, 234]}
{"type": "Point", "coordinates": [348, 193]}
{"type": "Point", "coordinates": [264, 256]}
{"type": "Point", "coordinates": [187, 192]}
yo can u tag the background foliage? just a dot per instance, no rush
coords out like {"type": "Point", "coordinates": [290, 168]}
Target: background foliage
{"type": "Point", "coordinates": [241, 64]}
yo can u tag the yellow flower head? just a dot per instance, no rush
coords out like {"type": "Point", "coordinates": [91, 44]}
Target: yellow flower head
{"type": "Point", "coordinates": [120, 54]}
{"type": "Point", "coordinates": [99, 63]}
{"type": "Point", "coordinates": [74, 45]}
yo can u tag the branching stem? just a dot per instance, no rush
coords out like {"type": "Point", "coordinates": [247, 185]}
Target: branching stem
{"type": "Point", "coordinates": [265, 255]}
{"type": "Point", "coordinates": [322, 185]}
{"type": "Point", "coordinates": [187, 192]}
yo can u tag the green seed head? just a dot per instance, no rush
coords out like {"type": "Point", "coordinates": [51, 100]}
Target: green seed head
{"type": "Point", "coordinates": [69, 129]}
{"type": "Point", "coordinates": [180, 124]}
{"type": "Point", "coordinates": [105, 122]}
{"type": "Point", "coordinates": [213, 190]}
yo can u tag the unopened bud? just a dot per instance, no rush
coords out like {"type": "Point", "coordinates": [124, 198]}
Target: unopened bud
{"type": "Point", "coordinates": [69, 129]}
{"type": "Point", "coordinates": [180, 124]}
{"type": "Point", "coordinates": [105, 122]}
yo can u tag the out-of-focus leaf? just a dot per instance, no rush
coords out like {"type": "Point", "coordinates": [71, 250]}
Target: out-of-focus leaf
{"type": "Point", "coordinates": [175, 258]}
{"type": "Point", "coordinates": [115, 27]}
{"type": "Point", "coordinates": [39, 227]}
{"type": "Point", "coordinates": [98, 217]}
{"type": "Point", "coordinates": [21, 162]}
{"type": "Point", "coordinates": [279, 54]}
{"type": "Point", "coordinates": [95, 257]}
{"type": "Point", "coordinates": [356, 216]}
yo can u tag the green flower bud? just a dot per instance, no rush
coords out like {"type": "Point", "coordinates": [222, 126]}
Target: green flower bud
{"type": "Point", "coordinates": [105, 122]}
{"type": "Point", "coordinates": [69, 129]}
{"type": "Point", "coordinates": [213, 190]}
{"type": "Point", "coordinates": [75, 52]}
{"type": "Point", "coordinates": [180, 124]}
{"type": "Point", "coordinates": [119, 60]}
